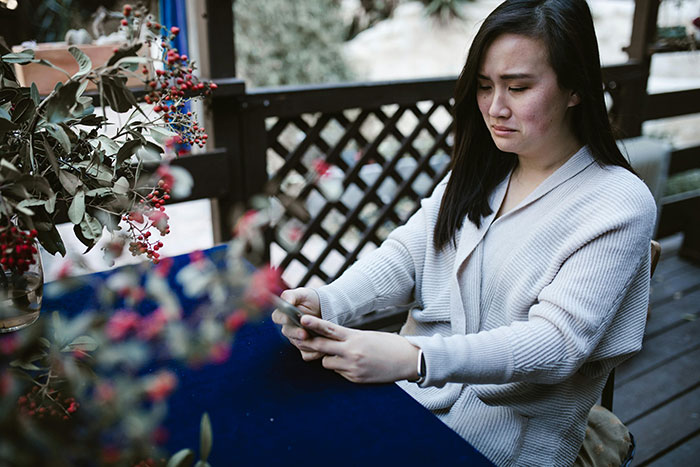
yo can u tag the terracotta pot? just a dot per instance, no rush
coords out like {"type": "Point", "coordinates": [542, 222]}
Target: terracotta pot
{"type": "Point", "coordinates": [57, 53]}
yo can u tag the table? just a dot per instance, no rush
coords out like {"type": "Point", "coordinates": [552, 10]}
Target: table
{"type": "Point", "coordinates": [269, 407]}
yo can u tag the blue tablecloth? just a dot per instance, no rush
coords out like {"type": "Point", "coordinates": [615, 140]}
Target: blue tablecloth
{"type": "Point", "coordinates": [269, 407]}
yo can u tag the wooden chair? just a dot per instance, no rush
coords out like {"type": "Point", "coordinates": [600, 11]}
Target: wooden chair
{"type": "Point", "coordinates": [607, 398]}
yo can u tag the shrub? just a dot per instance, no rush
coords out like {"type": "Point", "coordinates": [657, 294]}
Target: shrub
{"type": "Point", "coordinates": [281, 42]}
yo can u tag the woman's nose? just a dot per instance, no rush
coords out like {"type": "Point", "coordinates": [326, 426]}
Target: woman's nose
{"type": "Point", "coordinates": [499, 107]}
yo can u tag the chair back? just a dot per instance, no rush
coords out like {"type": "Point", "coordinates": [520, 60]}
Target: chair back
{"type": "Point", "coordinates": [655, 255]}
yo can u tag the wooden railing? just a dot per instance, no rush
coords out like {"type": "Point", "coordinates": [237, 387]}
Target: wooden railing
{"type": "Point", "coordinates": [390, 140]}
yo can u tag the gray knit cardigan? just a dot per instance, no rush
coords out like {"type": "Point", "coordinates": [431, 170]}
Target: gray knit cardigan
{"type": "Point", "coordinates": [521, 323]}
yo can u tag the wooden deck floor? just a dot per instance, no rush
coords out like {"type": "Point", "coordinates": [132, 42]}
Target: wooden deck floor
{"type": "Point", "coordinates": [657, 392]}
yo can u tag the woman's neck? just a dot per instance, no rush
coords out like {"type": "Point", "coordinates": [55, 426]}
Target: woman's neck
{"type": "Point", "coordinates": [539, 168]}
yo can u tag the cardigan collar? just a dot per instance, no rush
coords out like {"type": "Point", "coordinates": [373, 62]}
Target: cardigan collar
{"type": "Point", "coordinates": [470, 235]}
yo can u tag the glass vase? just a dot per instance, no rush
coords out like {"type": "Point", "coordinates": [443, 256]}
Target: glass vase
{"type": "Point", "coordinates": [20, 295]}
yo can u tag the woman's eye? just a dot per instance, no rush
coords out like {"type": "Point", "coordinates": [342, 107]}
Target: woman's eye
{"type": "Point", "coordinates": [517, 89]}
{"type": "Point", "coordinates": [484, 88]}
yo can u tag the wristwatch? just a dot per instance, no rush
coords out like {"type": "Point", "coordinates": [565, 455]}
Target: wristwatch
{"type": "Point", "coordinates": [421, 367]}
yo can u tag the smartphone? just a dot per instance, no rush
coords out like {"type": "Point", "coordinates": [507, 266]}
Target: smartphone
{"type": "Point", "coordinates": [293, 312]}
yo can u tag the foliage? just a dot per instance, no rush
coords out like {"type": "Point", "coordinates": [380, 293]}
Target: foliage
{"type": "Point", "coordinates": [58, 155]}
{"type": "Point", "coordinates": [444, 10]}
{"type": "Point", "coordinates": [74, 391]}
{"type": "Point", "coordinates": [369, 13]}
{"type": "Point", "coordinates": [281, 42]}
{"type": "Point", "coordinates": [683, 182]}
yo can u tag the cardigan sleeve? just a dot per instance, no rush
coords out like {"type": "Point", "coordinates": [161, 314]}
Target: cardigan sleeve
{"type": "Point", "coordinates": [568, 320]}
{"type": "Point", "coordinates": [386, 276]}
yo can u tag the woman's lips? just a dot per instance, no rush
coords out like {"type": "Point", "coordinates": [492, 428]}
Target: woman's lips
{"type": "Point", "coordinates": [502, 130]}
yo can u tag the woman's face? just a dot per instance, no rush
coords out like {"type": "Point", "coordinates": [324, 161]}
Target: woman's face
{"type": "Point", "coordinates": [520, 99]}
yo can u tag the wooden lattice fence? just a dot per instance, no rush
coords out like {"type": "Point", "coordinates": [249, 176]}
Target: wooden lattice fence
{"type": "Point", "coordinates": [386, 155]}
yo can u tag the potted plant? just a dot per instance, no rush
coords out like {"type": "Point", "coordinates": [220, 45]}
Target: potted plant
{"type": "Point", "coordinates": [58, 156]}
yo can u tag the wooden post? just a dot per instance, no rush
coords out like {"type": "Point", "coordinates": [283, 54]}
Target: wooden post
{"type": "Point", "coordinates": [218, 61]}
{"type": "Point", "coordinates": [633, 96]}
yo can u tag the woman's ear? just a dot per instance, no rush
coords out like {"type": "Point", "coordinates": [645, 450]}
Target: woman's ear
{"type": "Point", "coordinates": [574, 99]}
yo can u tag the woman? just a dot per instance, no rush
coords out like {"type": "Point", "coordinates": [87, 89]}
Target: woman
{"type": "Point", "coordinates": [529, 262]}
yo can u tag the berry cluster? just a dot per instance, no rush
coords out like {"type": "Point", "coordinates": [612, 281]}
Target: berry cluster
{"type": "Point", "coordinates": [34, 404]}
{"type": "Point", "coordinates": [17, 250]}
{"type": "Point", "coordinates": [168, 86]}
{"type": "Point", "coordinates": [150, 213]}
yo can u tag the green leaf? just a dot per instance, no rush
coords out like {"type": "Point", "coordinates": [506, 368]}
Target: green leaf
{"type": "Point", "coordinates": [50, 205]}
{"type": "Point", "coordinates": [121, 186]}
{"type": "Point", "coordinates": [8, 94]}
{"type": "Point", "coordinates": [205, 437]}
{"type": "Point", "coordinates": [24, 365]}
{"type": "Point", "coordinates": [35, 183]}
{"type": "Point", "coordinates": [182, 458]}
{"type": "Point", "coordinates": [5, 126]}
{"type": "Point", "coordinates": [118, 96]}
{"type": "Point", "coordinates": [7, 164]}
{"type": "Point", "coordinates": [91, 227]}
{"type": "Point", "coordinates": [109, 220]}
{"type": "Point", "coordinates": [124, 52]}
{"type": "Point", "coordinates": [88, 242]}
{"type": "Point", "coordinates": [76, 211]}
{"type": "Point", "coordinates": [149, 152]}
{"type": "Point", "coordinates": [24, 111]}
{"type": "Point", "coordinates": [51, 65]}
{"type": "Point", "coordinates": [127, 150]}
{"type": "Point", "coordinates": [182, 186]}
{"type": "Point", "coordinates": [34, 94]}
{"type": "Point", "coordinates": [96, 192]}
{"type": "Point", "coordinates": [83, 61]}
{"type": "Point", "coordinates": [23, 210]}
{"type": "Point", "coordinates": [51, 241]}
{"type": "Point", "coordinates": [57, 325]}
{"type": "Point", "coordinates": [109, 145]}
{"type": "Point", "coordinates": [51, 156]}
{"type": "Point", "coordinates": [132, 62]}
{"type": "Point", "coordinates": [81, 89]}
{"type": "Point", "coordinates": [21, 58]}
{"type": "Point", "coordinates": [92, 120]}
{"type": "Point", "coordinates": [31, 202]}
{"type": "Point", "coordinates": [85, 343]}
{"type": "Point", "coordinates": [69, 181]}
{"type": "Point", "coordinates": [60, 135]}
{"type": "Point", "coordinates": [161, 135]}
{"type": "Point", "coordinates": [98, 171]}
{"type": "Point", "coordinates": [59, 106]}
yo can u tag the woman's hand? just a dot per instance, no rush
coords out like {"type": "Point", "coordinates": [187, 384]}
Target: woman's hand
{"type": "Point", "coordinates": [362, 356]}
{"type": "Point", "coordinates": [307, 300]}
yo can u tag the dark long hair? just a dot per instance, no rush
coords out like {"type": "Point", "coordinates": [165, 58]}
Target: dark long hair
{"type": "Point", "coordinates": [478, 166]}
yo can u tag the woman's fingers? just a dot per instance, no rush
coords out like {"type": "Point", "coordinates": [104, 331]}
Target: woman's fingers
{"type": "Point", "coordinates": [333, 362]}
{"type": "Point", "coordinates": [325, 328]}
{"type": "Point", "coordinates": [309, 356]}
{"type": "Point", "coordinates": [291, 331]}
{"type": "Point", "coordinates": [306, 353]}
